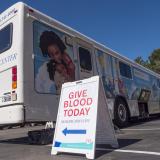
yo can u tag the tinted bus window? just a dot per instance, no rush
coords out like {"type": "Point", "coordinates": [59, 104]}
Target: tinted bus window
{"type": "Point", "coordinates": [158, 83]}
{"type": "Point", "coordinates": [5, 38]}
{"type": "Point", "coordinates": [125, 70]}
{"type": "Point", "coordinates": [85, 59]}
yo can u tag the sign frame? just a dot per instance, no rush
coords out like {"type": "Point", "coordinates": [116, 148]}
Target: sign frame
{"type": "Point", "coordinates": [97, 113]}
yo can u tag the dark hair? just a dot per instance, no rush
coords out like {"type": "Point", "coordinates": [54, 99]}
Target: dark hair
{"type": "Point", "coordinates": [51, 68]}
{"type": "Point", "coordinates": [48, 38]}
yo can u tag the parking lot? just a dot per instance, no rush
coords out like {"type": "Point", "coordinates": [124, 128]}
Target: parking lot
{"type": "Point", "coordinates": [138, 141]}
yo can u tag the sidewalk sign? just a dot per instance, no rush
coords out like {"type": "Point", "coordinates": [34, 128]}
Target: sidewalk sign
{"type": "Point", "coordinates": [83, 119]}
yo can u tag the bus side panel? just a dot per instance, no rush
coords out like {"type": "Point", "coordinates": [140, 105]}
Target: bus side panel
{"type": "Point", "coordinates": [105, 70]}
{"type": "Point", "coordinates": [41, 91]}
{"type": "Point", "coordinates": [153, 104]}
{"type": "Point", "coordinates": [38, 107]}
{"type": "Point", "coordinates": [124, 87]}
{"type": "Point", "coordinates": [133, 107]}
{"type": "Point", "coordinates": [153, 107]}
{"type": "Point", "coordinates": [146, 81]}
{"type": "Point", "coordinates": [131, 94]}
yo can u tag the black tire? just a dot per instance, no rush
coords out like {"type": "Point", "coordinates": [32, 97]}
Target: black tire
{"type": "Point", "coordinates": [121, 114]}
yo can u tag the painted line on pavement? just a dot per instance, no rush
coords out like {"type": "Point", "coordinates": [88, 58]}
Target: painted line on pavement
{"type": "Point", "coordinates": [130, 151]}
{"type": "Point", "coordinates": [141, 129]}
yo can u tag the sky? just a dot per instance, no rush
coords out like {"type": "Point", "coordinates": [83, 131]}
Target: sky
{"type": "Point", "coordinates": [129, 27]}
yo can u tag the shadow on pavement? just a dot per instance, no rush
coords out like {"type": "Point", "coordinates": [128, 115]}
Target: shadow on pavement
{"type": "Point", "coordinates": [21, 140]}
{"type": "Point", "coordinates": [138, 122]}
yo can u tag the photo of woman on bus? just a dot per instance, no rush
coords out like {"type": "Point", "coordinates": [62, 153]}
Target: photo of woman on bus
{"type": "Point", "coordinates": [60, 67]}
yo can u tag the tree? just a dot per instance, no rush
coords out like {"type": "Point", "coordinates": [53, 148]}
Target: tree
{"type": "Point", "coordinates": [140, 61]}
{"type": "Point", "coordinates": [153, 61]}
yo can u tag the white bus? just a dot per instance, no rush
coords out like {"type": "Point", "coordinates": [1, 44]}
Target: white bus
{"type": "Point", "coordinates": [38, 54]}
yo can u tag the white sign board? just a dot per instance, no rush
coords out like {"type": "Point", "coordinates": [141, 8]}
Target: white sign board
{"type": "Point", "coordinates": [81, 119]}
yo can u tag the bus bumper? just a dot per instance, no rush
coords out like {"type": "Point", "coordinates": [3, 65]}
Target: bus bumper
{"type": "Point", "coordinates": [11, 114]}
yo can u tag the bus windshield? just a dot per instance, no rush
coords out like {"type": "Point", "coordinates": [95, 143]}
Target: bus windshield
{"type": "Point", "coordinates": [5, 38]}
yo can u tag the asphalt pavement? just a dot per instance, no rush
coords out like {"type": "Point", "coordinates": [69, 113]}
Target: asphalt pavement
{"type": "Point", "coordinates": [139, 141]}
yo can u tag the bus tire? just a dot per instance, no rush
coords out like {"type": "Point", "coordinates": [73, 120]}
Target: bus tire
{"type": "Point", "coordinates": [121, 114]}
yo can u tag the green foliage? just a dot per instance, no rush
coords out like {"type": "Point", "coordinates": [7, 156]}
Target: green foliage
{"type": "Point", "coordinates": [153, 61]}
{"type": "Point", "coordinates": [140, 61]}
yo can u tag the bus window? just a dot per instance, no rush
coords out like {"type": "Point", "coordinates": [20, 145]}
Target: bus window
{"type": "Point", "coordinates": [125, 70]}
{"type": "Point", "coordinates": [5, 38]}
{"type": "Point", "coordinates": [85, 59]}
{"type": "Point", "coordinates": [158, 83]}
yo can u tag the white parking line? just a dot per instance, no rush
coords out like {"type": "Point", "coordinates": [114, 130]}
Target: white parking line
{"type": "Point", "coordinates": [141, 129]}
{"type": "Point", "coordinates": [130, 151]}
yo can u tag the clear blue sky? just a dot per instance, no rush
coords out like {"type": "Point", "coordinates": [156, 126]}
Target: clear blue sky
{"type": "Point", "coordinates": [130, 27]}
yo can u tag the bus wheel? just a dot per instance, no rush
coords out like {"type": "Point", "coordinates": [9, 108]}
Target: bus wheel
{"type": "Point", "coordinates": [121, 113]}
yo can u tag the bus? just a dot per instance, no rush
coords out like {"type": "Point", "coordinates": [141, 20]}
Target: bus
{"type": "Point", "coordinates": [38, 54]}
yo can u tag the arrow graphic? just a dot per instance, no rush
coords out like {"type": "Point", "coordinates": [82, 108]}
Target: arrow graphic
{"type": "Point", "coordinates": [73, 131]}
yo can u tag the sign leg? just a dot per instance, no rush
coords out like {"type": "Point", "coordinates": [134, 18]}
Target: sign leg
{"type": "Point", "coordinates": [54, 152]}
{"type": "Point", "coordinates": [90, 155]}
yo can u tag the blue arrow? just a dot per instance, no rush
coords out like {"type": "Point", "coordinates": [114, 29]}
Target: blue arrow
{"type": "Point", "coordinates": [80, 131]}
{"type": "Point", "coordinates": [57, 144]}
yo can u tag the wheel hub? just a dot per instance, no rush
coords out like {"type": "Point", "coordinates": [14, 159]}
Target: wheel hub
{"type": "Point", "coordinates": [122, 112]}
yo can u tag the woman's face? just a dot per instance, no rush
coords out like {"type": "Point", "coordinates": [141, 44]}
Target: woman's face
{"type": "Point", "coordinates": [55, 53]}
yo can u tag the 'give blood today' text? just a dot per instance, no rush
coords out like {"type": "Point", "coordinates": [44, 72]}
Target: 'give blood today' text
{"type": "Point", "coordinates": [78, 104]}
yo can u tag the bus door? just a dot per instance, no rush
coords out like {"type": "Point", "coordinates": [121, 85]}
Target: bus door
{"type": "Point", "coordinates": [85, 59]}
